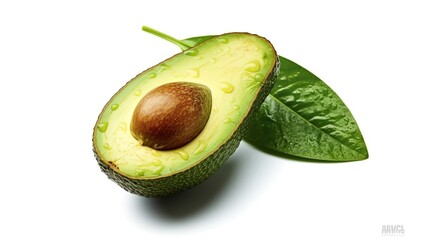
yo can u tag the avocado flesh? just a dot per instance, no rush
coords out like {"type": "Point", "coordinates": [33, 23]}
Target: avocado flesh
{"type": "Point", "coordinates": [239, 69]}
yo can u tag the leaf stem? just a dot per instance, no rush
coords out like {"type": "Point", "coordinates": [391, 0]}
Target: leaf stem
{"type": "Point", "coordinates": [169, 38]}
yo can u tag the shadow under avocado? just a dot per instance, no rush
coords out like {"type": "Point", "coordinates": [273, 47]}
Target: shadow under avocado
{"type": "Point", "coordinates": [193, 201]}
{"type": "Point", "coordinates": [197, 200]}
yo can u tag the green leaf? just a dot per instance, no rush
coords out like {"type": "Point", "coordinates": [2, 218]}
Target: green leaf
{"type": "Point", "coordinates": [302, 116]}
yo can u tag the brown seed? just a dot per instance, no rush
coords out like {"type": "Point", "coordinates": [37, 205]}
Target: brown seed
{"type": "Point", "coordinates": [171, 115]}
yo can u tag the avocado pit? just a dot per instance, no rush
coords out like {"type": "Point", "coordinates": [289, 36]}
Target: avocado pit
{"type": "Point", "coordinates": [171, 115]}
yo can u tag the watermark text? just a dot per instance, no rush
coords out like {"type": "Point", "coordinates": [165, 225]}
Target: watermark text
{"type": "Point", "coordinates": [392, 230]}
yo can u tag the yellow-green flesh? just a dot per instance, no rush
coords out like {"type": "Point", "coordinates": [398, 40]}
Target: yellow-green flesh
{"type": "Point", "coordinates": [233, 66]}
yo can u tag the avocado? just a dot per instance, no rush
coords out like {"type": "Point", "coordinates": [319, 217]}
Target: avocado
{"type": "Point", "coordinates": [152, 146]}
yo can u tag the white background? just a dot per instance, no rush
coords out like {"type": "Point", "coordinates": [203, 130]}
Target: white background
{"type": "Point", "coordinates": [62, 60]}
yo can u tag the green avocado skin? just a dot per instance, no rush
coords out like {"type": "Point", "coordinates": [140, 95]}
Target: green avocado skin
{"type": "Point", "coordinates": [161, 187]}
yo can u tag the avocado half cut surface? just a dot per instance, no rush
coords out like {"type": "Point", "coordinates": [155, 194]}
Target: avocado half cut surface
{"type": "Point", "coordinates": [239, 69]}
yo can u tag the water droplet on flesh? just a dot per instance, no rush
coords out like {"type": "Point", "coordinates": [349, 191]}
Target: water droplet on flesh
{"type": "Point", "coordinates": [253, 66]}
{"type": "Point", "coordinates": [163, 67]}
{"type": "Point", "coordinates": [184, 155]}
{"type": "Point", "coordinates": [222, 40]}
{"type": "Point", "coordinates": [102, 127]}
{"type": "Point", "coordinates": [123, 126]}
{"type": "Point", "coordinates": [114, 107]}
{"type": "Point", "coordinates": [226, 87]}
{"type": "Point", "coordinates": [156, 163]}
{"type": "Point", "coordinates": [200, 147]}
{"type": "Point", "coordinates": [138, 92]}
{"type": "Point", "coordinates": [158, 170]}
{"type": "Point", "coordinates": [259, 77]}
{"type": "Point", "coordinates": [191, 52]}
{"type": "Point", "coordinates": [194, 73]}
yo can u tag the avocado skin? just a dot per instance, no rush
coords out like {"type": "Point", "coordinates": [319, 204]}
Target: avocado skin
{"type": "Point", "coordinates": [180, 181]}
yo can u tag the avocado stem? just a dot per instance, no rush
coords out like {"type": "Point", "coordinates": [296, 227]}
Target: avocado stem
{"type": "Point", "coordinates": [169, 38]}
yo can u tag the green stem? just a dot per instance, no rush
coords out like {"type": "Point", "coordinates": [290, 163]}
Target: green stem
{"type": "Point", "coordinates": [169, 38]}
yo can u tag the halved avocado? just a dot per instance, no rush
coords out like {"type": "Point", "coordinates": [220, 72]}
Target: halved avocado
{"type": "Point", "coordinates": [239, 69]}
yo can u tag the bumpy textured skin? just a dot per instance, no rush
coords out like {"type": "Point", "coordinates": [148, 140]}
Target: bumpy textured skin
{"type": "Point", "coordinates": [165, 186]}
